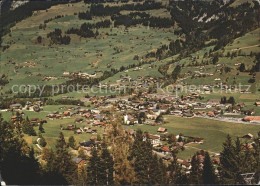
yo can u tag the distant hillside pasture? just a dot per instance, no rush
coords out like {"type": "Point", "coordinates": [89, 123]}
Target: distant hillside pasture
{"type": "Point", "coordinates": [28, 62]}
{"type": "Point", "coordinates": [247, 42]}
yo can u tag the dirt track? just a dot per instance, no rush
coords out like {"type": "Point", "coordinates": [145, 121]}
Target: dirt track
{"type": "Point", "coordinates": [245, 47]}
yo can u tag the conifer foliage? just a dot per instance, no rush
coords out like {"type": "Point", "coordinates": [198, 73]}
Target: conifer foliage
{"type": "Point", "coordinates": [208, 173]}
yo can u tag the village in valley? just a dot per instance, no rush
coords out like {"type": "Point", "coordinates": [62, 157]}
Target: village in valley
{"type": "Point", "coordinates": [138, 110]}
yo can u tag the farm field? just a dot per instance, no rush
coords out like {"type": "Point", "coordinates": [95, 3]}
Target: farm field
{"type": "Point", "coordinates": [213, 132]}
{"type": "Point", "coordinates": [52, 127]}
{"type": "Point", "coordinates": [28, 62]}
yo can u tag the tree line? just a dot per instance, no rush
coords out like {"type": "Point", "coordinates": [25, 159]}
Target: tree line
{"type": "Point", "coordinates": [57, 38]}
{"type": "Point", "coordinates": [88, 30]}
{"type": "Point", "coordinates": [101, 10]}
{"type": "Point", "coordinates": [135, 18]}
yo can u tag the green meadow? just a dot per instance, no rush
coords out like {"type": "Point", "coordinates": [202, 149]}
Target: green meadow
{"type": "Point", "coordinates": [28, 62]}
{"type": "Point", "coordinates": [213, 132]}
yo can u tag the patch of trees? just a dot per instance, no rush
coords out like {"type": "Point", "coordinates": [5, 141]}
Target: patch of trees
{"type": "Point", "coordinates": [184, 20]}
{"type": "Point", "coordinates": [230, 100]}
{"type": "Point", "coordinates": [85, 15]}
{"type": "Point", "coordinates": [256, 67]}
{"type": "Point", "coordinates": [64, 102]}
{"type": "Point", "coordinates": [86, 30]}
{"type": "Point", "coordinates": [57, 38]}
{"type": "Point", "coordinates": [176, 72]}
{"type": "Point", "coordinates": [160, 53]}
{"type": "Point", "coordinates": [175, 46]}
{"type": "Point", "coordinates": [159, 22]}
{"type": "Point", "coordinates": [11, 17]}
{"type": "Point", "coordinates": [242, 67]}
{"type": "Point", "coordinates": [17, 161]}
{"type": "Point", "coordinates": [3, 80]}
{"type": "Point", "coordinates": [6, 102]}
{"type": "Point", "coordinates": [101, 10]}
{"type": "Point", "coordinates": [5, 47]}
{"type": "Point", "coordinates": [39, 39]}
{"type": "Point", "coordinates": [125, 20]}
{"type": "Point", "coordinates": [27, 127]}
{"type": "Point", "coordinates": [51, 19]}
{"type": "Point", "coordinates": [101, 167]}
{"type": "Point", "coordinates": [42, 26]}
{"type": "Point", "coordinates": [244, 18]}
{"type": "Point", "coordinates": [42, 141]}
{"type": "Point", "coordinates": [136, 18]}
{"type": "Point", "coordinates": [230, 22]}
{"type": "Point", "coordinates": [215, 59]}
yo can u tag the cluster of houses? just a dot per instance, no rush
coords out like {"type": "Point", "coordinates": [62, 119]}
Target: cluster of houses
{"type": "Point", "coordinates": [154, 105]}
{"type": "Point", "coordinates": [146, 108]}
{"type": "Point", "coordinates": [142, 82]}
{"type": "Point", "coordinates": [201, 74]}
{"type": "Point", "coordinates": [31, 106]}
{"type": "Point", "coordinates": [79, 74]}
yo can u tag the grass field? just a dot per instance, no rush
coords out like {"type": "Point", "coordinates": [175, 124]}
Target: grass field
{"type": "Point", "coordinates": [52, 127]}
{"type": "Point", "coordinates": [213, 132]}
{"type": "Point", "coordinates": [27, 62]}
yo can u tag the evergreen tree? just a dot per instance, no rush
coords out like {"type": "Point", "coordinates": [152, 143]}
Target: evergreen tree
{"type": "Point", "coordinates": [99, 138]}
{"type": "Point", "coordinates": [41, 129]}
{"type": "Point", "coordinates": [208, 173]}
{"type": "Point", "coordinates": [142, 153]}
{"type": "Point", "coordinates": [215, 60]}
{"type": "Point", "coordinates": [256, 154]}
{"type": "Point", "coordinates": [176, 72]}
{"type": "Point", "coordinates": [175, 174]}
{"type": "Point", "coordinates": [51, 174]}
{"type": "Point", "coordinates": [93, 168]}
{"type": "Point", "coordinates": [231, 100]}
{"type": "Point", "coordinates": [72, 142]}
{"type": "Point", "coordinates": [42, 141]}
{"type": "Point", "coordinates": [63, 162]}
{"type": "Point", "coordinates": [121, 143]}
{"type": "Point", "coordinates": [159, 119]}
{"type": "Point", "coordinates": [28, 128]}
{"type": "Point", "coordinates": [242, 67]}
{"type": "Point", "coordinates": [154, 171]}
{"type": "Point", "coordinates": [162, 173]}
{"type": "Point", "coordinates": [39, 39]}
{"type": "Point", "coordinates": [106, 167]}
{"type": "Point", "coordinates": [81, 153]}
{"type": "Point", "coordinates": [230, 166]}
{"type": "Point", "coordinates": [82, 175]}
{"type": "Point", "coordinates": [195, 174]}
{"type": "Point", "coordinates": [171, 139]}
{"type": "Point", "coordinates": [17, 163]}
